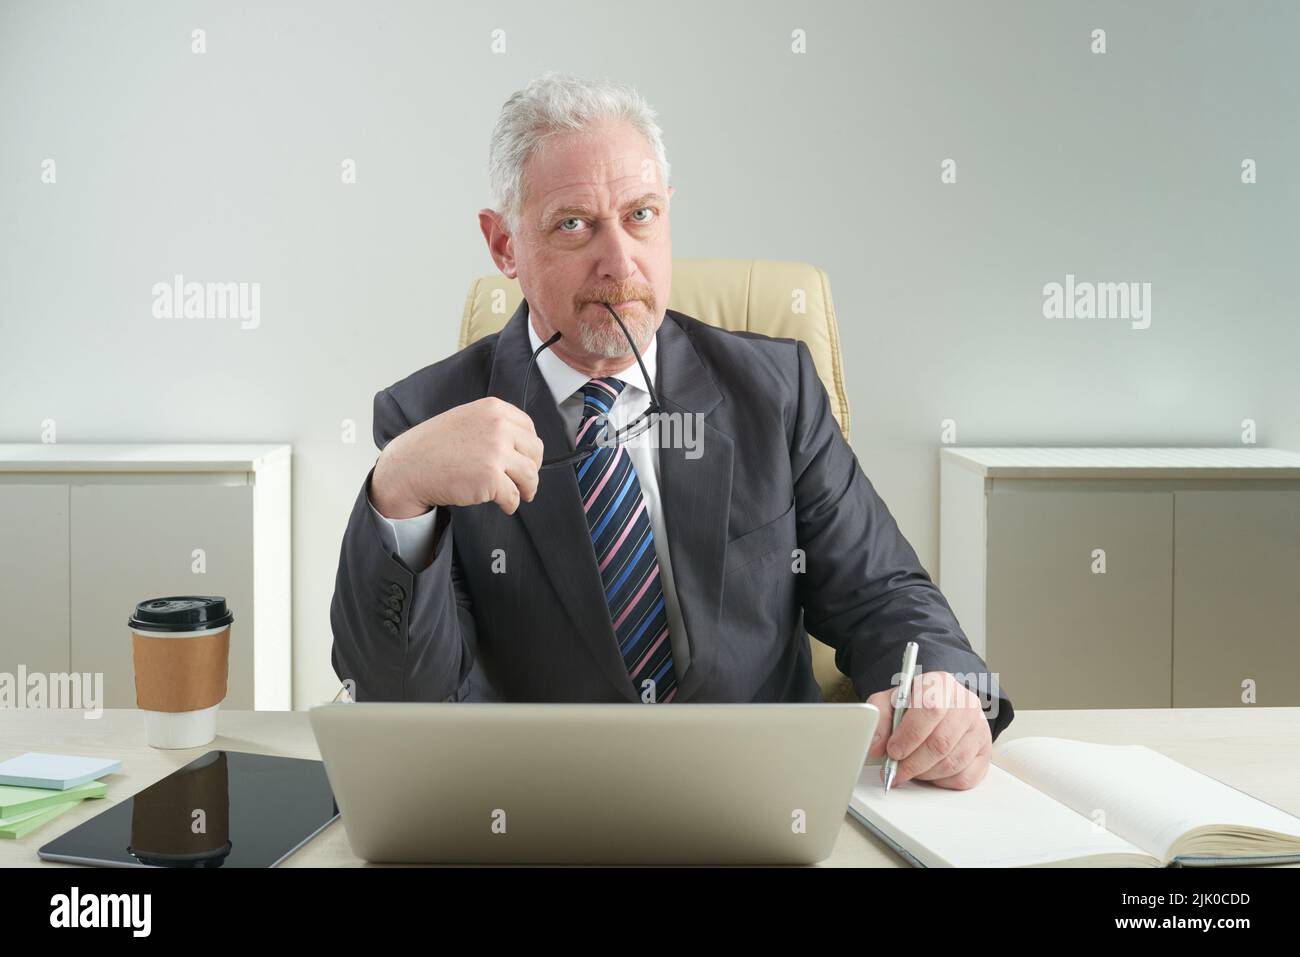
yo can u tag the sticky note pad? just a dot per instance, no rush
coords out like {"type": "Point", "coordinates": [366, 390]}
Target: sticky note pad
{"type": "Point", "coordinates": [16, 800]}
{"type": "Point", "coordinates": [58, 771]}
{"type": "Point", "coordinates": [31, 822]}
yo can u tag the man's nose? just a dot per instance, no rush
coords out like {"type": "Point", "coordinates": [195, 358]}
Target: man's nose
{"type": "Point", "coordinates": [615, 254]}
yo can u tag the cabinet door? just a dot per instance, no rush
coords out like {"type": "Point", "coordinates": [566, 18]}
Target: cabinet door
{"type": "Point", "coordinates": [33, 578]}
{"type": "Point", "coordinates": [1236, 597]}
{"type": "Point", "coordinates": [136, 541]}
{"type": "Point", "coordinates": [1061, 634]}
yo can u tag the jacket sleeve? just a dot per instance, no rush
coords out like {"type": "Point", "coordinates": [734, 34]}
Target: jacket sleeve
{"type": "Point", "coordinates": [863, 589]}
{"type": "Point", "coordinates": [399, 634]}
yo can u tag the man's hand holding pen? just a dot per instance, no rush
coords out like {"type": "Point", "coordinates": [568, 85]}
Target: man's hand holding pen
{"type": "Point", "coordinates": [943, 738]}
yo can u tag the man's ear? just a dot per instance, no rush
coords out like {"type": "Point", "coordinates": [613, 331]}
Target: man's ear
{"type": "Point", "coordinates": [499, 242]}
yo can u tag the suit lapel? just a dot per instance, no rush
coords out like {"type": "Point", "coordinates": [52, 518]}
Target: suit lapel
{"type": "Point", "coordinates": [696, 496]}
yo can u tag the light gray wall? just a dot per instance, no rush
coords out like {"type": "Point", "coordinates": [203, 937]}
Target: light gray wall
{"type": "Point", "coordinates": [225, 166]}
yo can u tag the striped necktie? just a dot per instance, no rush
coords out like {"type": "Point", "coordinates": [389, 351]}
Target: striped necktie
{"type": "Point", "coordinates": [625, 548]}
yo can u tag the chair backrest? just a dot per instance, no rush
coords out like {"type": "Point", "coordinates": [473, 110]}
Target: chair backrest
{"type": "Point", "coordinates": [760, 295]}
{"type": "Point", "coordinates": [775, 298]}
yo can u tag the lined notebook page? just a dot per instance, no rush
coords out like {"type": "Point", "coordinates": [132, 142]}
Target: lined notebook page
{"type": "Point", "coordinates": [1001, 822]}
{"type": "Point", "coordinates": [1148, 798]}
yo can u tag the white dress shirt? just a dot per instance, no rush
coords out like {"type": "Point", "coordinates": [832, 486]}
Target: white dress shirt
{"type": "Point", "coordinates": [412, 538]}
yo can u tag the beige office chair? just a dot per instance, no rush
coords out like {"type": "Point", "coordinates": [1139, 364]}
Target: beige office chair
{"type": "Point", "coordinates": [775, 298]}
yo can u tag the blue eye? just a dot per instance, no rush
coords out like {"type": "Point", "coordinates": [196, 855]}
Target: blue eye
{"type": "Point", "coordinates": [640, 222]}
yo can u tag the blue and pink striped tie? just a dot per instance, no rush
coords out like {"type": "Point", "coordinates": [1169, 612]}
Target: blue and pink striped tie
{"type": "Point", "coordinates": [625, 548]}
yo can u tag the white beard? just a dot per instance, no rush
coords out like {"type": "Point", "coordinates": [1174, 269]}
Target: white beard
{"type": "Point", "coordinates": [603, 337]}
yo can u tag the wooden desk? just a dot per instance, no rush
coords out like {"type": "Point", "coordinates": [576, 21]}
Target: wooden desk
{"type": "Point", "coordinates": [1255, 749]}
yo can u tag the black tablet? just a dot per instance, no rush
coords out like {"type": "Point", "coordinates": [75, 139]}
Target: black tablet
{"type": "Point", "coordinates": [224, 809]}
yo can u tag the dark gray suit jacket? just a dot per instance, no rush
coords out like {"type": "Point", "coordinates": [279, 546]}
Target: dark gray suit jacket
{"type": "Point", "coordinates": [775, 475]}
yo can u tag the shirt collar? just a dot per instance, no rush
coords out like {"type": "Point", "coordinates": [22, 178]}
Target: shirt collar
{"type": "Point", "coordinates": [563, 380]}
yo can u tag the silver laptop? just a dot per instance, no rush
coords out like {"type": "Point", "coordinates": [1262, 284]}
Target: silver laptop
{"type": "Point", "coordinates": [492, 783]}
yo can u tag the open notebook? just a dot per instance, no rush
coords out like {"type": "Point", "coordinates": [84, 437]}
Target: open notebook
{"type": "Point", "coordinates": [1059, 802]}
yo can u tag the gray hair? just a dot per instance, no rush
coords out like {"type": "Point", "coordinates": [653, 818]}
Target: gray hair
{"type": "Point", "coordinates": [554, 103]}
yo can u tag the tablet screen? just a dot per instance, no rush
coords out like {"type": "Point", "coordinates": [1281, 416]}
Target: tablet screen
{"type": "Point", "coordinates": [224, 809]}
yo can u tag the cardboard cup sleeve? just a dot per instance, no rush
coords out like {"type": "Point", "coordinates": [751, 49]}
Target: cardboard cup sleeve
{"type": "Point", "coordinates": [180, 674]}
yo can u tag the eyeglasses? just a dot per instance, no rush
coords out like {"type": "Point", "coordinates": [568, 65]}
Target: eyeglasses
{"type": "Point", "coordinates": [603, 438]}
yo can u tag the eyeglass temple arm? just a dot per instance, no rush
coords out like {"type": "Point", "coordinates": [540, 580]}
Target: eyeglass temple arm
{"type": "Point", "coordinates": [654, 396]}
{"type": "Point", "coordinates": [532, 362]}
{"type": "Point", "coordinates": [566, 458]}
{"type": "Point", "coordinates": [654, 390]}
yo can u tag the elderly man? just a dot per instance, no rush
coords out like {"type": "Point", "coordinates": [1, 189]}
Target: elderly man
{"type": "Point", "coordinates": [551, 547]}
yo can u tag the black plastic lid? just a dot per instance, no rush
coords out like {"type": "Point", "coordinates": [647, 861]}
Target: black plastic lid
{"type": "Point", "coordinates": [181, 613]}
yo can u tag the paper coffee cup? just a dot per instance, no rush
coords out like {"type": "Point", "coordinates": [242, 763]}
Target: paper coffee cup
{"type": "Point", "coordinates": [181, 649]}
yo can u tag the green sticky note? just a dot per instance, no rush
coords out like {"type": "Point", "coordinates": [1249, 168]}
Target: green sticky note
{"type": "Point", "coordinates": [18, 800]}
{"type": "Point", "coordinates": [31, 822]}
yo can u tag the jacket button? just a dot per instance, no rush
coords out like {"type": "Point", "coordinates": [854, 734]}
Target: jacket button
{"type": "Point", "coordinates": [390, 627]}
{"type": "Point", "coordinates": [394, 603]}
{"type": "Point", "coordinates": [396, 589]}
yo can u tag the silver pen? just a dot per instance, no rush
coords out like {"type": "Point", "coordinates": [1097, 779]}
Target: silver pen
{"type": "Point", "coordinates": [900, 704]}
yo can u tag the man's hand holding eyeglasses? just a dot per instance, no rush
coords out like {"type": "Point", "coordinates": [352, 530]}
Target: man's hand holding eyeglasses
{"type": "Point", "coordinates": [483, 451]}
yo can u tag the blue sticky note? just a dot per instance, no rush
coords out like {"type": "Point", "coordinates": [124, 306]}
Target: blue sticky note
{"type": "Point", "coordinates": [57, 771]}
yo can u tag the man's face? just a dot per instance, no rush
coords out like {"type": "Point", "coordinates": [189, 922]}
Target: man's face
{"type": "Point", "coordinates": [594, 227]}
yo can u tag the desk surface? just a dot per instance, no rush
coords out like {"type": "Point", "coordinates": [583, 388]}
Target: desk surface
{"type": "Point", "coordinates": [1254, 749]}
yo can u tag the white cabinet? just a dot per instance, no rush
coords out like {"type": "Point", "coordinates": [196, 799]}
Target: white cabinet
{"type": "Point", "coordinates": [1127, 578]}
{"type": "Point", "coordinates": [87, 531]}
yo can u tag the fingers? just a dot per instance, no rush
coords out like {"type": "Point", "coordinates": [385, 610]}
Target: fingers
{"type": "Point", "coordinates": [952, 746]}
{"type": "Point", "coordinates": [506, 494]}
{"type": "Point", "coordinates": [516, 481]}
{"type": "Point", "coordinates": [511, 426]}
{"type": "Point", "coordinates": [936, 746]}
{"type": "Point", "coordinates": [973, 773]}
{"type": "Point", "coordinates": [512, 413]}
{"type": "Point", "coordinates": [522, 471]}
{"type": "Point", "coordinates": [921, 717]}
{"type": "Point", "coordinates": [520, 458]}
{"type": "Point", "coordinates": [938, 737]}
{"type": "Point", "coordinates": [529, 444]}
